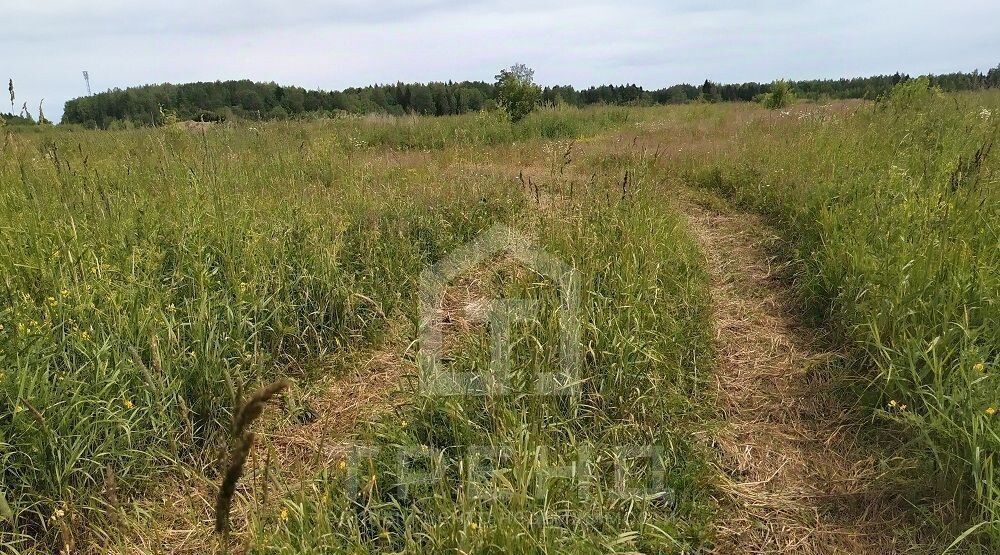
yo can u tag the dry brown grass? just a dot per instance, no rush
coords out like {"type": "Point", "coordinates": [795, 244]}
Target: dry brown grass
{"type": "Point", "coordinates": [179, 517]}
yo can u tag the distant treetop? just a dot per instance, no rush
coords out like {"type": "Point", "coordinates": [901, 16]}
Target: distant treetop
{"type": "Point", "coordinates": [224, 100]}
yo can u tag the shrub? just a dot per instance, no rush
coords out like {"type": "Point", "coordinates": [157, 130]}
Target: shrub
{"type": "Point", "coordinates": [781, 95]}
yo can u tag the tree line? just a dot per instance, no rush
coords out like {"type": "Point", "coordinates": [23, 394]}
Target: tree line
{"type": "Point", "coordinates": [244, 99]}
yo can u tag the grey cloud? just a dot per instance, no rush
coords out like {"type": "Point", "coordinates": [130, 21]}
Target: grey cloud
{"type": "Point", "coordinates": [346, 43]}
{"type": "Point", "coordinates": [38, 22]}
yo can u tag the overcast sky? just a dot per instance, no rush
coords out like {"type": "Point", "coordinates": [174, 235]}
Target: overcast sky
{"type": "Point", "coordinates": [339, 43]}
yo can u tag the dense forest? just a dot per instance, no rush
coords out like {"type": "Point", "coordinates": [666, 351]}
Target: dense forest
{"type": "Point", "coordinates": [224, 100]}
{"type": "Point", "coordinates": [22, 119]}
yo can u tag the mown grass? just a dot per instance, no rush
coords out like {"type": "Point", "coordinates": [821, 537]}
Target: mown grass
{"type": "Point", "coordinates": [891, 211]}
{"type": "Point", "coordinates": [152, 276]}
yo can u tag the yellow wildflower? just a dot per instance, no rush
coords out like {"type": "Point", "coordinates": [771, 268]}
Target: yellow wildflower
{"type": "Point", "coordinates": [979, 367]}
{"type": "Point", "coordinates": [990, 411]}
{"type": "Point", "coordinates": [284, 515]}
{"type": "Point", "coordinates": [404, 423]}
{"type": "Point", "coordinates": [473, 526]}
{"type": "Point", "coordinates": [64, 292]}
{"type": "Point", "coordinates": [52, 301]}
{"type": "Point", "coordinates": [342, 465]}
{"type": "Point", "coordinates": [893, 403]}
{"type": "Point", "coordinates": [128, 403]}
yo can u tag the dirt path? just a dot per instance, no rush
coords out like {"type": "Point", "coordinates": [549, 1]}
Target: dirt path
{"type": "Point", "coordinates": [179, 516]}
{"type": "Point", "coordinates": [794, 478]}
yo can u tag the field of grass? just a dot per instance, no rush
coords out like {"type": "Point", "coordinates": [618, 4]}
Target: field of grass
{"type": "Point", "coordinates": [153, 278]}
{"type": "Point", "coordinates": [891, 212]}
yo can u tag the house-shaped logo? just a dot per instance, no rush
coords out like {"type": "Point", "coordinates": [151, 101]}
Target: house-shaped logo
{"type": "Point", "coordinates": [437, 379]}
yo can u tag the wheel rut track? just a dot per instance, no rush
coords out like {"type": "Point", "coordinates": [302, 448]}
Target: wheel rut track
{"type": "Point", "coordinates": [794, 478]}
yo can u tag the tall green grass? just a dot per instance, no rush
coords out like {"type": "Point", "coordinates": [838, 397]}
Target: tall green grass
{"type": "Point", "coordinates": [152, 275]}
{"type": "Point", "coordinates": [612, 468]}
{"type": "Point", "coordinates": [479, 130]}
{"type": "Point", "coordinates": [148, 276]}
{"type": "Point", "coordinates": [891, 210]}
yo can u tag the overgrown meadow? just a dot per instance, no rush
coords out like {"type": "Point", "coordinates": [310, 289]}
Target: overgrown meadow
{"type": "Point", "coordinates": [152, 278]}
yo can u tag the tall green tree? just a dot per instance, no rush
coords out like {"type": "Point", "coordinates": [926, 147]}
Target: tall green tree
{"type": "Point", "coordinates": [516, 91]}
{"type": "Point", "coordinates": [423, 101]}
{"type": "Point", "coordinates": [710, 92]}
